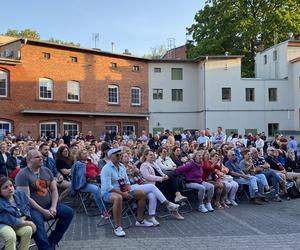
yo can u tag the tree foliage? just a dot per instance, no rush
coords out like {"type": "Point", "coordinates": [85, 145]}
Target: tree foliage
{"type": "Point", "coordinates": [32, 34]}
{"type": "Point", "coordinates": [157, 52]}
{"type": "Point", "coordinates": [241, 26]}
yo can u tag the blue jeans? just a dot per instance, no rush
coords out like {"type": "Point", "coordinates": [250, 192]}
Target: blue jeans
{"type": "Point", "coordinates": [253, 183]}
{"type": "Point", "coordinates": [274, 178]}
{"type": "Point", "coordinates": [96, 191]}
{"type": "Point", "coordinates": [64, 214]}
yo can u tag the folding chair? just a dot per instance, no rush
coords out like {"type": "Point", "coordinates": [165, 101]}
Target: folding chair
{"type": "Point", "coordinates": [126, 213]}
{"type": "Point", "coordinates": [83, 198]}
{"type": "Point", "coordinates": [243, 193]}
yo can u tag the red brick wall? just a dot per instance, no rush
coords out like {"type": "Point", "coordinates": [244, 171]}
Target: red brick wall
{"type": "Point", "coordinates": [94, 74]}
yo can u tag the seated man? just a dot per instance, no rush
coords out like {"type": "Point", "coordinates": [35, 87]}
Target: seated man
{"type": "Point", "coordinates": [262, 167]}
{"type": "Point", "coordinates": [39, 185]}
{"type": "Point", "coordinates": [241, 178]}
{"type": "Point", "coordinates": [115, 186]}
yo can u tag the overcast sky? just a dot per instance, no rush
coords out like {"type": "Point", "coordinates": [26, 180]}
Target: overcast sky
{"type": "Point", "coordinates": [135, 25]}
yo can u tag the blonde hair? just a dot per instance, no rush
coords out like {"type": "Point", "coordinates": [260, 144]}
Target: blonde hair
{"type": "Point", "coordinates": [201, 152]}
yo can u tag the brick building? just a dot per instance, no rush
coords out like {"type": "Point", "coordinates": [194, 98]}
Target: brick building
{"type": "Point", "coordinates": [46, 87]}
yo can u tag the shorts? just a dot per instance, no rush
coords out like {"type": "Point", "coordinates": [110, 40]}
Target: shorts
{"type": "Point", "coordinates": [106, 197]}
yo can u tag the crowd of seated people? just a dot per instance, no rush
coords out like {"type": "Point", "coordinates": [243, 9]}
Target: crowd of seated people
{"type": "Point", "coordinates": [144, 169]}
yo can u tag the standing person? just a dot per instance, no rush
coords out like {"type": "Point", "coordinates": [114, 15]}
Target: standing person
{"type": "Point", "coordinates": [3, 158]}
{"type": "Point", "coordinates": [67, 138]}
{"type": "Point", "coordinates": [89, 136]}
{"type": "Point", "coordinates": [292, 145]}
{"type": "Point", "coordinates": [40, 186]}
{"type": "Point", "coordinates": [14, 216]}
{"type": "Point", "coordinates": [115, 186]}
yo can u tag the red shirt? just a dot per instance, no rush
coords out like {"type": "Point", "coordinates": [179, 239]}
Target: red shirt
{"type": "Point", "coordinates": [208, 169]}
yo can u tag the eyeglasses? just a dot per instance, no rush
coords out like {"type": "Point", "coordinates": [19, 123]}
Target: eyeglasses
{"type": "Point", "coordinates": [118, 155]}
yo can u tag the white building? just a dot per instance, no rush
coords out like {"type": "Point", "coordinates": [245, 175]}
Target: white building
{"type": "Point", "coordinates": [209, 92]}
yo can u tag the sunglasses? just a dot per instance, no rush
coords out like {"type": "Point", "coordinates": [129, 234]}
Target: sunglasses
{"type": "Point", "coordinates": [118, 155]}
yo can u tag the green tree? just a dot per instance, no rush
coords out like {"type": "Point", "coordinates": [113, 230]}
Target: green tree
{"type": "Point", "coordinates": [239, 27]}
{"type": "Point", "coordinates": [157, 52]}
{"type": "Point", "coordinates": [26, 33]}
{"type": "Point", "coordinates": [53, 40]}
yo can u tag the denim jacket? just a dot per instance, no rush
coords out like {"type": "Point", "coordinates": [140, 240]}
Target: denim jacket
{"type": "Point", "coordinates": [78, 175]}
{"type": "Point", "coordinates": [9, 214]}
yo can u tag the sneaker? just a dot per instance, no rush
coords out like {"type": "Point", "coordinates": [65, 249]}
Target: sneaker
{"type": "Point", "coordinates": [227, 202]}
{"type": "Point", "coordinates": [202, 209]}
{"type": "Point", "coordinates": [209, 207]}
{"type": "Point", "coordinates": [277, 198]}
{"type": "Point", "coordinates": [289, 184]}
{"type": "Point", "coordinates": [256, 201]}
{"type": "Point", "coordinates": [154, 221]}
{"type": "Point", "coordinates": [233, 203]}
{"type": "Point", "coordinates": [180, 198]}
{"type": "Point", "coordinates": [259, 195]}
{"type": "Point", "coordinates": [144, 223]}
{"type": "Point", "coordinates": [119, 232]}
{"type": "Point", "coordinates": [172, 207]}
{"type": "Point", "coordinates": [177, 216]}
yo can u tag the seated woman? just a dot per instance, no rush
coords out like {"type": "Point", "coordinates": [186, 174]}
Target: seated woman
{"type": "Point", "coordinates": [231, 187]}
{"type": "Point", "coordinates": [193, 172]}
{"type": "Point", "coordinates": [165, 163]}
{"type": "Point", "coordinates": [175, 156]}
{"type": "Point", "coordinates": [153, 175]}
{"type": "Point", "coordinates": [79, 179]}
{"type": "Point", "coordinates": [209, 167]}
{"type": "Point", "coordinates": [14, 162]}
{"type": "Point", "coordinates": [152, 192]}
{"type": "Point", "coordinates": [14, 216]}
{"type": "Point", "coordinates": [64, 162]}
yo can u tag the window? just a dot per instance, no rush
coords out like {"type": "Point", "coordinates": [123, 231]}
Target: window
{"type": "Point", "coordinates": [273, 129]}
{"type": "Point", "coordinates": [229, 131]}
{"type": "Point", "coordinates": [46, 88]}
{"type": "Point", "coordinates": [135, 96]}
{"type": "Point", "coordinates": [3, 83]}
{"type": "Point", "coordinates": [275, 55]}
{"type": "Point", "coordinates": [73, 59]}
{"type": "Point", "coordinates": [176, 74]}
{"type": "Point", "coordinates": [250, 94]}
{"type": "Point", "coordinates": [113, 94]}
{"type": "Point", "coordinates": [128, 129]}
{"type": "Point", "coordinates": [157, 94]}
{"type": "Point", "coordinates": [226, 94]}
{"type": "Point", "coordinates": [47, 127]}
{"type": "Point", "coordinates": [73, 91]}
{"type": "Point", "coordinates": [135, 68]}
{"type": "Point", "coordinates": [272, 94]}
{"type": "Point", "coordinates": [46, 55]}
{"type": "Point", "coordinates": [157, 70]}
{"type": "Point", "coordinates": [265, 59]}
{"type": "Point", "coordinates": [112, 129]}
{"type": "Point", "coordinates": [72, 128]}
{"type": "Point", "coordinates": [5, 127]}
{"type": "Point", "coordinates": [177, 95]}
{"type": "Point", "coordinates": [113, 65]}
{"type": "Point", "coordinates": [253, 131]}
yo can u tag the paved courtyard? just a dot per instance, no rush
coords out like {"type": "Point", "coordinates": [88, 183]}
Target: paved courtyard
{"type": "Point", "coordinates": [271, 226]}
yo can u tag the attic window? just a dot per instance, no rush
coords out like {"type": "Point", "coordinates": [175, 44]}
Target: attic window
{"type": "Point", "coordinates": [73, 59]}
{"type": "Point", "coordinates": [113, 65]}
{"type": "Point", "coordinates": [46, 55]}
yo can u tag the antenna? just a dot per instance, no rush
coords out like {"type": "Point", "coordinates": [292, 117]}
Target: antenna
{"type": "Point", "coordinates": [95, 39]}
{"type": "Point", "coordinates": [171, 48]}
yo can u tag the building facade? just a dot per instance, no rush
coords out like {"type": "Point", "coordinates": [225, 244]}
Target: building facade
{"type": "Point", "coordinates": [46, 87]}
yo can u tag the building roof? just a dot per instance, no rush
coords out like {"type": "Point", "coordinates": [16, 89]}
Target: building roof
{"type": "Point", "coordinates": [9, 61]}
{"type": "Point", "coordinates": [297, 59]}
{"type": "Point", "coordinates": [176, 53]}
{"type": "Point", "coordinates": [207, 57]}
{"type": "Point", "coordinates": [59, 112]}
{"type": "Point", "coordinates": [73, 48]}
{"type": "Point", "coordinates": [7, 39]}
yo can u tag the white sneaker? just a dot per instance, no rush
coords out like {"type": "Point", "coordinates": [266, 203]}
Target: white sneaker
{"type": "Point", "coordinates": [202, 209]}
{"type": "Point", "coordinates": [154, 221]}
{"type": "Point", "coordinates": [233, 203]}
{"type": "Point", "coordinates": [172, 207]}
{"type": "Point", "coordinates": [209, 207]}
{"type": "Point", "coordinates": [119, 232]}
{"type": "Point", "coordinates": [144, 223]}
{"type": "Point", "coordinates": [227, 202]}
{"type": "Point", "coordinates": [180, 198]}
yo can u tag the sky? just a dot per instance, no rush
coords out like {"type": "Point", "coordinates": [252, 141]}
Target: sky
{"type": "Point", "coordinates": [136, 25]}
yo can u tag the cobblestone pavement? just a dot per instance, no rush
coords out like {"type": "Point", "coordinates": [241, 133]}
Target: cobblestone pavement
{"type": "Point", "coordinates": [270, 226]}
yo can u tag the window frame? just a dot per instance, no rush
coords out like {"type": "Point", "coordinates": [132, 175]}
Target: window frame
{"type": "Point", "coordinates": [272, 129]}
{"type": "Point", "coordinates": [46, 55]}
{"type": "Point", "coordinates": [136, 68]}
{"type": "Point", "coordinates": [74, 59]}
{"type": "Point", "coordinates": [249, 99]}
{"type": "Point", "coordinates": [70, 131]}
{"type": "Point", "coordinates": [9, 127]}
{"type": "Point", "coordinates": [173, 76]}
{"type": "Point", "coordinates": [48, 123]}
{"type": "Point", "coordinates": [6, 80]}
{"type": "Point", "coordinates": [265, 59]}
{"type": "Point", "coordinates": [270, 95]}
{"type": "Point", "coordinates": [177, 92]}
{"type": "Point", "coordinates": [113, 65]}
{"type": "Point", "coordinates": [157, 70]}
{"type": "Point", "coordinates": [73, 100]}
{"type": "Point", "coordinates": [222, 94]}
{"type": "Point", "coordinates": [112, 86]}
{"type": "Point", "coordinates": [139, 96]}
{"type": "Point", "coordinates": [52, 92]}
{"type": "Point", "coordinates": [128, 131]}
{"type": "Point", "coordinates": [157, 94]}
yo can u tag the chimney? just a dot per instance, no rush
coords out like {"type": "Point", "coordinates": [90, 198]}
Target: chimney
{"type": "Point", "coordinates": [126, 52]}
{"type": "Point", "coordinates": [112, 47]}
